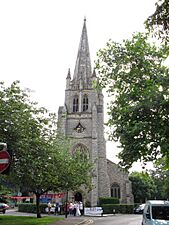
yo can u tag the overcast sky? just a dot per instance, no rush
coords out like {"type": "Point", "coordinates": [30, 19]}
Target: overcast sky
{"type": "Point", "coordinates": [39, 40]}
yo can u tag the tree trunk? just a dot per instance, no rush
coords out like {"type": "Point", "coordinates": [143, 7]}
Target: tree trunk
{"type": "Point", "coordinates": [37, 205]}
{"type": "Point", "coordinates": [66, 205]}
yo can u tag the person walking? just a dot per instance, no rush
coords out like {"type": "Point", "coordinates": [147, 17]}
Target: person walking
{"type": "Point", "coordinates": [49, 207]}
{"type": "Point", "coordinates": [70, 208]}
{"type": "Point", "coordinates": [81, 207]}
{"type": "Point", "coordinates": [56, 208]}
{"type": "Point", "coordinates": [78, 209]}
{"type": "Point", "coordinates": [74, 209]}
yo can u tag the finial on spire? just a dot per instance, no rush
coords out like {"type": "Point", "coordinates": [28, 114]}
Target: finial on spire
{"type": "Point", "coordinates": [84, 18]}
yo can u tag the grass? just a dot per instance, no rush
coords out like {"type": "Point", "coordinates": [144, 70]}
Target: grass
{"type": "Point", "coordinates": [27, 220]}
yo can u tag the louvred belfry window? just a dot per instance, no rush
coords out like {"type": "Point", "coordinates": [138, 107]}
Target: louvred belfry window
{"type": "Point", "coordinates": [75, 104]}
{"type": "Point", "coordinates": [85, 103]}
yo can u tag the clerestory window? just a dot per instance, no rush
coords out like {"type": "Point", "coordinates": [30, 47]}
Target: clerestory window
{"type": "Point", "coordinates": [85, 103]}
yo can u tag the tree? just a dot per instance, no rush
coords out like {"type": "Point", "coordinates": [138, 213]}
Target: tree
{"type": "Point", "coordinates": [5, 189]}
{"type": "Point", "coordinates": [75, 173]}
{"type": "Point", "coordinates": [137, 82]}
{"type": "Point", "coordinates": [158, 22]}
{"type": "Point", "coordinates": [38, 153]}
{"type": "Point", "coordinates": [160, 177]}
{"type": "Point", "coordinates": [143, 186]}
{"type": "Point", "coordinates": [56, 169]}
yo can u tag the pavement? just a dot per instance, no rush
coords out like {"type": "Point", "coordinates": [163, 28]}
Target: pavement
{"type": "Point", "coordinates": [74, 221]}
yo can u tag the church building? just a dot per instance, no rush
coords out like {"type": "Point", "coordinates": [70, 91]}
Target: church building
{"type": "Point", "coordinates": [82, 118]}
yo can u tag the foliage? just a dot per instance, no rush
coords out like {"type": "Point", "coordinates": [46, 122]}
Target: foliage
{"type": "Point", "coordinates": [4, 190]}
{"type": "Point", "coordinates": [137, 82]}
{"type": "Point", "coordinates": [28, 132]}
{"type": "Point", "coordinates": [108, 200]}
{"type": "Point", "coordinates": [13, 220]}
{"type": "Point", "coordinates": [74, 170]}
{"type": "Point", "coordinates": [160, 177]}
{"type": "Point", "coordinates": [41, 159]}
{"type": "Point", "coordinates": [119, 208]}
{"type": "Point", "coordinates": [31, 207]}
{"type": "Point", "coordinates": [143, 187]}
{"type": "Point", "coordinates": [158, 22]}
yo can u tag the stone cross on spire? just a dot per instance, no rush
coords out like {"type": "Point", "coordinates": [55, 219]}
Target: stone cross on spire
{"type": "Point", "coordinates": [83, 63]}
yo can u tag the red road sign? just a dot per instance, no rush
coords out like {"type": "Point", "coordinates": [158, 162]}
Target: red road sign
{"type": "Point", "coordinates": [4, 160]}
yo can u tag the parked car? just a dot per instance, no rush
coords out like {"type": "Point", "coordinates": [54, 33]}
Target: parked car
{"type": "Point", "coordinates": [156, 212]}
{"type": "Point", "coordinates": [139, 209]}
{"type": "Point", "coordinates": [3, 207]}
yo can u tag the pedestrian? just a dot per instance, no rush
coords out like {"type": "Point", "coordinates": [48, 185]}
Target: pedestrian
{"type": "Point", "coordinates": [70, 208]}
{"type": "Point", "coordinates": [78, 209]}
{"type": "Point", "coordinates": [81, 207]}
{"type": "Point", "coordinates": [56, 208]}
{"type": "Point", "coordinates": [74, 209]}
{"type": "Point", "coordinates": [49, 207]}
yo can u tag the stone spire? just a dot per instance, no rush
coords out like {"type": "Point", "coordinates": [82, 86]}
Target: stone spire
{"type": "Point", "coordinates": [83, 63]}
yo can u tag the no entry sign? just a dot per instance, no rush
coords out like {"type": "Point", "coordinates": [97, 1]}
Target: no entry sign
{"type": "Point", "coordinates": [4, 160]}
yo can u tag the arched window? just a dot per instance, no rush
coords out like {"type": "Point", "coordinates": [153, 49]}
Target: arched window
{"type": "Point", "coordinates": [83, 150]}
{"type": "Point", "coordinates": [75, 104]}
{"type": "Point", "coordinates": [115, 191]}
{"type": "Point", "coordinates": [85, 103]}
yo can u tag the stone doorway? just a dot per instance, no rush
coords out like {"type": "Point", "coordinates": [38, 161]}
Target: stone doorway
{"type": "Point", "coordinates": [78, 197]}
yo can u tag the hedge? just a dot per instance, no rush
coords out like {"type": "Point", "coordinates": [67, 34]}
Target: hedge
{"type": "Point", "coordinates": [108, 200]}
{"type": "Point", "coordinates": [31, 208]}
{"type": "Point", "coordinates": [117, 208]}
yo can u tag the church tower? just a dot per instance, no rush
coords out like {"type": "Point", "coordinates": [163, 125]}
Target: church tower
{"type": "Point", "coordinates": [82, 118]}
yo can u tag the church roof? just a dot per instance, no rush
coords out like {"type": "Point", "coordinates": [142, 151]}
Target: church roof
{"type": "Point", "coordinates": [83, 62]}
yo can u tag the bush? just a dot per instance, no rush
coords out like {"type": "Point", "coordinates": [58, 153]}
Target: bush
{"type": "Point", "coordinates": [117, 208]}
{"type": "Point", "coordinates": [108, 200]}
{"type": "Point", "coordinates": [31, 208]}
{"type": "Point", "coordinates": [88, 204]}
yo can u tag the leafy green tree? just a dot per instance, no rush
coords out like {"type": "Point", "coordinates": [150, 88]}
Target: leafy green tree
{"type": "Point", "coordinates": [75, 172]}
{"type": "Point", "coordinates": [4, 191]}
{"type": "Point", "coordinates": [158, 22]}
{"type": "Point", "coordinates": [143, 187]}
{"type": "Point", "coordinates": [160, 176]}
{"type": "Point", "coordinates": [137, 82]}
{"type": "Point", "coordinates": [40, 157]}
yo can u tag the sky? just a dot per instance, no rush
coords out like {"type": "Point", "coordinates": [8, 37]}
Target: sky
{"type": "Point", "coordinates": [39, 41]}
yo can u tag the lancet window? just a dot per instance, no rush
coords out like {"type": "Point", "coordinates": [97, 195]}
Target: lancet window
{"type": "Point", "coordinates": [85, 103]}
{"type": "Point", "coordinates": [115, 190]}
{"type": "Point", "coordinates": [75, 104]}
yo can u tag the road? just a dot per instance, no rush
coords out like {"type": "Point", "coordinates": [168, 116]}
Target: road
{"type": "Point", "coordinates": [118, 220]}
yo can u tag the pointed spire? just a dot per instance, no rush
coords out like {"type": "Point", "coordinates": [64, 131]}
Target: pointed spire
{"type": "Point", "coordinates": [94, 73]}
{"type": "Point", "coordinates": [83, 63]}
{"type": "Point", "coordinates": [68, 74]}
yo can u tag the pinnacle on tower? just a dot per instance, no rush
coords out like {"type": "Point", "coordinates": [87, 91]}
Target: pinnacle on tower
{"type": "Point", "coordinates": [68, 74]}
{"type": "Point", "coordinates": [94, 73]}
